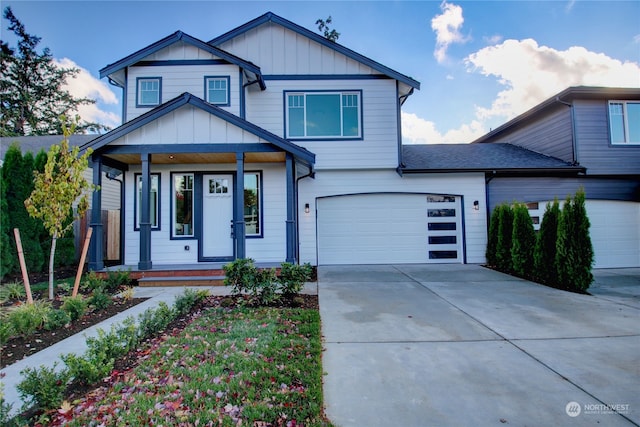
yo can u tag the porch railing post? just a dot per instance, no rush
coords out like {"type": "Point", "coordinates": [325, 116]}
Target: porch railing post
{"type": "Point", "coordinates": [291, 211]}
{"type": "Point", "coordinates": [239, 210]}
{"type": "Point", "coordinates": [144, 262]}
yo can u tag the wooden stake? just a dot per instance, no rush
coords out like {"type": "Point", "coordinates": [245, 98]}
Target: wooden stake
{"type": "Point", "coordinates": [23, 266]}
{"type": "Point", "coordinates": [85, 248]}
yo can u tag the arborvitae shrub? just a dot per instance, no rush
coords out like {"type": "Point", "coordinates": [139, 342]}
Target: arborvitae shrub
{"type": "Point", "coordinates": [545, 250]}
{"type": "Point", "coordinates": [492, 241]}
{"type": "Point", "coordinates": [505, 231]}
{"type": "Point", "coordinates": [522, 241]}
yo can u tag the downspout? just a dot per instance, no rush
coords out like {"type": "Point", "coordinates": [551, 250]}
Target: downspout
{"type": "Point", "coordinates": [574, 147]}
{"type": "Point", "coordinates": [399, 126]}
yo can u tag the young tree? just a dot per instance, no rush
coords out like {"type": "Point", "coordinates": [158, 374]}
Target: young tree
{"type": "Point", "coordinates": [323, 26]}
{"type": "Point", "coordinates": [57, 189]}
{"type": "Point", "coordinates": [492, 241]}
{"type": "Point", "coordinates": [505, 233]}
{"type": "Point", "coordinates": [32, 87]}
{"type": "Point", "coordinates": [545, 251]}
{"type": "Point", "coordinates": [522, 241]}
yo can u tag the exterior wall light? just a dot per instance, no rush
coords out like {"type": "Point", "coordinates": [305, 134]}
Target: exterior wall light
{"type": "Point", "coordinates": [306, 208]}
{"type": "Point", "coordinates": [476, 205]}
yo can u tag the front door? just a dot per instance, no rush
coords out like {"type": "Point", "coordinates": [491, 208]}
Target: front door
{"type": "Point", "coordinates": [217, 216]}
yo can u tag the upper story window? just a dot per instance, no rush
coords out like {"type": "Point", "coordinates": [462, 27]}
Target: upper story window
{"type": "Point", "coordinates": [217, 90]}
{"type": "Point", "coordinates": [624, 122]}
{"type": "Point", "coordinates": [148, 92]}
{"type": "Point", "coordinates": [324, 115]}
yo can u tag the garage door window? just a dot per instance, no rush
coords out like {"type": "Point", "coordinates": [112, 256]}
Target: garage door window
{"type": "Point", "coordinates": [437, 213]}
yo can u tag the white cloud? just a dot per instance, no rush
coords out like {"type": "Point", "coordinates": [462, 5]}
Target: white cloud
{"type": "Point", "coordinates": [84, 85]}
{"type": "Point", "coordinates": [636, 39]}
{"type": "Point", "coordinates": [416, 130]}
{"type": "Point", "coordinates": [447, 28]}
{"type": "Point", "coordinates": [531, 73]}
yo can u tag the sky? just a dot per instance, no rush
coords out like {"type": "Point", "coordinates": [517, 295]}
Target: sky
{"type": "Point", "coordinates": [480, 63]}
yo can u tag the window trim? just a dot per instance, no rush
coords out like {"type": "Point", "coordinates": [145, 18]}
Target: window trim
{"type": "Point", "coordinates": [206, 90]}
{"type": "Point", "coordinates": [625, 119]}
{"type": "Point", "coordinates": [136, 221]}
{"type": "Point", "coordinates": [140, 80]}
{"type": "Point", "coordinates": [260, 205]}
{"type": "Point", "coordinates": [339, 92]}
{"type": "Point", "coordinates": [193, 234]}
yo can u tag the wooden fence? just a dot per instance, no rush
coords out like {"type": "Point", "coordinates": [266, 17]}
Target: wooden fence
{"type": "Point", "coordinates": [110, 229]}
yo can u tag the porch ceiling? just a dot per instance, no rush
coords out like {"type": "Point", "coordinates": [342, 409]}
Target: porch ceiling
{"type": "Point", "coordinates": [193, 158]}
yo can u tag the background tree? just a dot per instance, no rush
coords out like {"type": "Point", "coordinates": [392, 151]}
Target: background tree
{"type": "Point", "coordinates": [323, 26]}
{"type": "Point", "coordinates": [7, 252]}
{"type": "Point", "coordinates": [522, 241]}
{"type": "Point", "coordinates": [57, 189]}
{"type": "Point", "coordinates": [544, 255]}
{"type": "Point", "coordinates": [32, 87]}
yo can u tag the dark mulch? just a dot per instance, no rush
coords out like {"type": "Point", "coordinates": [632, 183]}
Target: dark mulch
{"type": "Point", "coordinates": [20, 347]}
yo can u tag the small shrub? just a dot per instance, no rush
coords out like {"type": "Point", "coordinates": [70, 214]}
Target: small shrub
{"type": "Point", "coordinates": [14, 290]}
{"type": "Point", "coordinates": [75, 306]}
{"type": "Point", "coordinates": [128, 334]}
{"type": "Point", "coordinates": [127, 293]}
{"type": "Point", "coordinates": [87, 369]}
{"type": "Point", "coordinates": [99, 299]}
{"type": "Point", "coordinates": [265, 290]}
{"type": "Point", "coordinates": [155, 320]}
{"type": "Point", "coordinates": [43, 387]}
{"type": "Point", "coordinates": [65, 287]}
{"type": "Point", "coordinates": [185, 302]}
{"type": "Point", "coordinates": [240, 275]}
{"type": "Point", "coordinates": [56, 319]}
{"type": "Point", "coordinates": [293, 277]}
{"type": "Point", "coordinates": [91, 281]}
{"type": "Point", "coordinates": [6, 330]}
{"type": "Point", "coordinates": [117, 279]}
{"type": "Point", "coordinates": [27, 318]}
{"type": "Point", "coordinates": [5, 408]}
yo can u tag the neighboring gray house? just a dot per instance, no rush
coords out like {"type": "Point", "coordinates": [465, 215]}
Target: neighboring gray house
{"type": "Point", "coordinates": [597, 130]}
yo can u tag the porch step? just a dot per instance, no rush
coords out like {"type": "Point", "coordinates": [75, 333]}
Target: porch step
{"type": "Point", "coordinates": [182, 281]}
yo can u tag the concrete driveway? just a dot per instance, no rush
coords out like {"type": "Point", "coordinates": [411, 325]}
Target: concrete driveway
{"type": "Point", "coordinates": [461, 345]}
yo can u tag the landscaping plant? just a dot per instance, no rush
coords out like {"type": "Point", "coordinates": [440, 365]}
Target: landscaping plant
{"type": "Point", "coordinates": [75, 307]}
{"type": "Point", "coordinates": [522, 241]}
{"type": "Point", "coordinates": [27, 318]}
{"type": "Point", "coordinates": [492, 238]}
{"type": "Point", "coordinates": [292, 278]}
{"type": "Point", "coordinates": [43, 387]}
{"type": "Point", "coordinates": [544, 255]}
{"type": "Point", "coordinates": [505, 234]}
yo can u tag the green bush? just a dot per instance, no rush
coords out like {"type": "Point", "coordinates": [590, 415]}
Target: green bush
{"type": "Point", "coordinates": [43, 387]}
{"type": "Point", "coordinates": [6, 330]}
{"type": "Point", "coordinates": [523, 241]}
{"type": "Point", "coordinates": [117, 279]}
{"type": "Point", "coordinates": [92, 281]}
{"type": "Point", "coordinates": [14, 290]}
{"type": "Point", "coordinates": [99, 299]}
{"type": "Point", "coordinates": [505, 233]}
{"type": "Point", "coordinates": [27, 318]}
{"type": "Point", "coordinates": [240, 274]}
{"type": "Point", "coordinates": [87, 370]}
{"type": "Point", "coordinates": [292, 278]}
{"type": "Point", "coordinates": [492, 238]}
{"type": "Point", "coordinates": [544, 255]}
{"type": "Point", "coordinates": [56, 319]}
{"type": "Point", "coordinates": [75, 306]}
{"type": "Point", "coordinates": [152, 321]}
{"type": "Point", "coordinates": [574, 255]}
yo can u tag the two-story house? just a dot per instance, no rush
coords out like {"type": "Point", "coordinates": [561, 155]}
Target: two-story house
{"type": "Point", "coordinates": [596, 129]}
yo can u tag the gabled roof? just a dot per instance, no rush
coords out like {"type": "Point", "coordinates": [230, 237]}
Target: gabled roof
{"type": "Point", "coordinates": [271, 17]}
{"type": "Point", "coordinates": [187, 98]}
{"type": "Point", "coordinates": [439, 158]}
{"type": "Point", "coordinates": [174, 38]}
{"type": "Point", "coordinates": [566, 96]}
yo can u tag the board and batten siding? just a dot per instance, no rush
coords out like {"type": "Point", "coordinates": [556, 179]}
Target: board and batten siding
{"type": "Point", "coordinates": [177, 79]}
{"type": "Point", "coordinates": [595, 152]}
{"type": "Point", "coordinates": [332, 183]}
{"type": "Point", "coordinates": [377, 149]}
{"type": "Point", "coordinates": [550, 135]}
{"type": "Point", "coordinates": [278, 50]}
{"type": "Point", "coordinates": [269, 248]}
{"type": "Point", "coordinates": [187, 125]}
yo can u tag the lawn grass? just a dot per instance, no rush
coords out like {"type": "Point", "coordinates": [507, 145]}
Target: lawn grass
{"type": "Point", "coordinates": [229, 367]}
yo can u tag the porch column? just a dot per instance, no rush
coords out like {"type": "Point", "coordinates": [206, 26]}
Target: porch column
{"type": "Point", "coordinates": [239, 210]}
{"type": "Point", "coordinates": [96, 248]}
{"type": "Point", "coordinates": [291, 211]}
{"type": "Point", "coordinates": [145, 214]}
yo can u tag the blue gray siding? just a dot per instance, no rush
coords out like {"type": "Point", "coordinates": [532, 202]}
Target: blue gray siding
{"type": "Point", "coordinates": [535, 189]}
{"type": "Point", "coordinates": [592, 139]}
{"type": "Point", "coordinates": [550, 134]}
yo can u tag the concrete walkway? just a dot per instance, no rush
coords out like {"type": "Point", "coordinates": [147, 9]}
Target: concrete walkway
{"type": "Point", "coordinates": [461, 345]}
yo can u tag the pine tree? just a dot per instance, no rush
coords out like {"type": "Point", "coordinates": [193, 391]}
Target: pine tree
{"type": "Point", "coordinates": [492, 240]}
{"type": "Point", "coordinates": [7, 249]}
{"type": "Point", "coordinates": [545, 250]}
{"type": "Point", "coordinates": [564, 252]}
{"type": "Point", "coordinates": [523, 241]}
{"type": "Point", "coordinates": [582, 246]}
{"type": "Point", "coordinates": [32, 87]}
{"type": "Point", "coordinates": [505, 232]}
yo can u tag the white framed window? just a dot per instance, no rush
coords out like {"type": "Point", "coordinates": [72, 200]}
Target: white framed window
{"type": "Point", "coordinates": [154, 197]}
{"type": "Point", "coordinates": [624, 122]}
{"type": "Point", "coordinates": [182, 205]}
{"type": "Point", "coordinates": [148, 93]}
{"type": "Point", "coordinates": [217, 90]}
{"type": "Point", "coordinates": [324, 115]}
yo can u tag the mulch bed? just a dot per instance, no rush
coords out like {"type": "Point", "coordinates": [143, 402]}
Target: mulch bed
{"type": "Point", "coordinates": [18, 348]}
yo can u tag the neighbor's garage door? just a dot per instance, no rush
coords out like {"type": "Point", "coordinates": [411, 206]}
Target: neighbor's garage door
{"type": "Point", "coordinates": [615, 233]}
{"type": "Point", "coordinates": [389, 228]}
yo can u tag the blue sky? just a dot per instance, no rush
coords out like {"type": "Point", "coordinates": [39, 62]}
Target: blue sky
{"type": "Point", "coordinates": [480, 63]}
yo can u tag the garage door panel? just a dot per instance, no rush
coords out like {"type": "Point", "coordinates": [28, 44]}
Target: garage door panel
{"type": "Point", "coordinates": [387, 228]}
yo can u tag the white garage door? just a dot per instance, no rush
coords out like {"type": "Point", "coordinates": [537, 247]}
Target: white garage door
{"type": "Point", "coordinates": [389, 228]}
{"type": "Point", "coordinates": [615, 233]}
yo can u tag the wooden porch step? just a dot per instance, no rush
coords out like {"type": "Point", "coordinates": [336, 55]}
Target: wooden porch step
{"type": "Point", "coordinates": [182, 281]}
